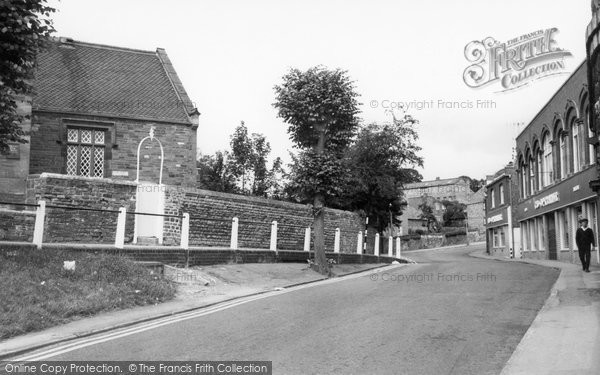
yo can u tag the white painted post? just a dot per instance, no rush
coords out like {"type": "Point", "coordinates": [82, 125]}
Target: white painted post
{"type": "Point", "coordinates": [398, 247]}
{"type": "Point", "coordinates": [390, 246]}
{"type": "Point", "coordinates": [307, 239]}
{"type": "Point", "coordinates": [336, 242]}
{"type": "Point", "coordinates": [120, 235]}
{"type": "Point", "coordinates": [376, 249]}
{"type": "Point", "coordinates": [359, 242]}
{"type": "Point", "coordinates": [38, 230]}
{"type": "Point", "coordinates": [273, 236]}
{"type": "Point", "coordinates": [185, 231]}
{"type": "Point", "coordinates": [234, 233]}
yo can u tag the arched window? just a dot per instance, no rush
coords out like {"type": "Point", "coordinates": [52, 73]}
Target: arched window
{"type": "Point", "coordinates": [531, 165]}
{"type": "Point", "coordinates": [576, 139]}
{"type": "Point", "coordinates": [592, 149]}
{"type": "Point", "coordinates": [564, 154]}
{"type": "Point", "coordinates": [522, 178]}
{"type": "Point", "coordinates": [547, 165]}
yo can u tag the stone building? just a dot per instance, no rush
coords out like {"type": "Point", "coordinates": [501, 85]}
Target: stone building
{"type": "Point", "coordinates": [92, 106]}
{"type": "Point", "coordinates": [435, 192]}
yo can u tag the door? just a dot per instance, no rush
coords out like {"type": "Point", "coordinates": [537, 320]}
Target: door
{"type": "Point", "coordinates": [551, 233]}
{"type": "Point", "coordinates": [150, 200]}
{"type": "Point", "coordinates": [517, 250]}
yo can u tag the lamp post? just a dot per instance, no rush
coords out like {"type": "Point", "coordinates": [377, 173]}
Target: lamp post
{"type": "Point", "coordinates": [467, 225]}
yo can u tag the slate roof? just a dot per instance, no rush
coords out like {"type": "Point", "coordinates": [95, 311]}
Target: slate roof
{"type": "Point", "coordinates": [87, 78]}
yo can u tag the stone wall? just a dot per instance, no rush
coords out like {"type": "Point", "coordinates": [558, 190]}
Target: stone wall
{"type": "Point", "coordinates": [82, 225]}
{"type": "Point", "coordinates": [48, 147]}
{"type": "Point", "coordinates": [211, 214]}
{"type": "Point", "coordinates": [16, 225]}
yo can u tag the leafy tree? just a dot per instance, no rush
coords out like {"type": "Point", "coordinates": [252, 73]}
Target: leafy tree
{"type": "Point", "coordinates": [24, 28]}
{"type": "Point", "coordinates": [321, 109]}
{"type": "Point", "coordinates": [278, 177]}
{"type": "Point", "coordinates": [214, 173]}
{"type": "Point", "coordinates": [454, 213]}
{"type": "Point", "coordinates": [380, 162]}
{"type": "Point", "coordinates": [241, 154]}
{"type": "Point", "coordinates": [261, 175]}
{"type": "Point", "coordinates": [428, 215]}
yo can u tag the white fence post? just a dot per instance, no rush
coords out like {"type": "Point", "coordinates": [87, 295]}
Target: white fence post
{"type": "Point", "coordinates": [398, 247]}
{"type": "Point", "coordinates": [307, 239]}
{"type": "Point", "coordinates": [120, 235]}
{"type": "Point", "coordinates": [336, 242]}
{"type": "Point", "coordinates": [273, 236]}
{"type": "Point", "coordinates": [376, 249]}
{"type": "Point", "coordinates": [38, 230]}
{"type": "Point", "coordinates": [234, 233]}
{"type": "Point", "coordinates": [185, 231]}
{"type": "Point", "coordinates": [390, 246]}
{"type": "Point", "coordinates": [359, 242]}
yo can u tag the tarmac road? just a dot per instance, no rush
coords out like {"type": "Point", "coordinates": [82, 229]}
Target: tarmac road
{"type": "Point", "coordinates": [449, 314]}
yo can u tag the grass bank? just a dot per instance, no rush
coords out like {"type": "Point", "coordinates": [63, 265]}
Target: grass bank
{"type": "Point", "coordinates": [36, 292]}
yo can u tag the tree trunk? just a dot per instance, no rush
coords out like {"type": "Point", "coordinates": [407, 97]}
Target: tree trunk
{"type": "Point", "coordinates": [321, 264]}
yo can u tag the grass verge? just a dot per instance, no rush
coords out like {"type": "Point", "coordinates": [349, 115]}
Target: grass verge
{"type": "Point", "coordinates": [36, 292]}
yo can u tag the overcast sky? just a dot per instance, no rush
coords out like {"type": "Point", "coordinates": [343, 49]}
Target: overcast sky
{"type": "Point", "coordinates": [230, 54]}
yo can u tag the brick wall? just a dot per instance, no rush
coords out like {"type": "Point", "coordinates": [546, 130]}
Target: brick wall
{"type": "Point", "coordinates": [63, 225]}
{"type": "Point", "coordinates": [211, 214]}
{"type": "Point", "coordinates": [48, 146]}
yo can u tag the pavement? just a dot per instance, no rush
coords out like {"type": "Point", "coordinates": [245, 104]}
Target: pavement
{"type": "Point", "coordinates": [564, 338]}
{"type": "Point", "coordinates": [198, 288]}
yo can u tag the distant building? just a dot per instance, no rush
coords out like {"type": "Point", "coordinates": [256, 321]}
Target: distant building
{"type": "Point", "coordinates": [502, 233]}
{"type": "Point", "coordinates": [434, 193]}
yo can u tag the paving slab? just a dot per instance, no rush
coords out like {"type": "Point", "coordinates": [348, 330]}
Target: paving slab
{"type": "Point", "coordinates": [564, 338]}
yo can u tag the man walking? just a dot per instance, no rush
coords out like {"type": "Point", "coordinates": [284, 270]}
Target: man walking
{"type": "Point", "coordinates": [584, 238]}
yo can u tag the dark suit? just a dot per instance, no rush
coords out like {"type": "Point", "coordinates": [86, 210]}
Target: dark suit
{"type": "Point", "coordinates": [584, 238]}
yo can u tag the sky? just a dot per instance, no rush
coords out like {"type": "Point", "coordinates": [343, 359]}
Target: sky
{"type": "Point", "coordinates": [230, 54]}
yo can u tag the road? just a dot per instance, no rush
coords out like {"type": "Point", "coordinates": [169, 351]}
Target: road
{"type": "Point", "coordinates": [449, 314]}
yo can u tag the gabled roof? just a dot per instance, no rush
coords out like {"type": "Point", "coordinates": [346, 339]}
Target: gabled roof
{"type": "Point", "coordinates": [78, 77]}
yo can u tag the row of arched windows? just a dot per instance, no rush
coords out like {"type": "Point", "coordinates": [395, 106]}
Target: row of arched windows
{"type": "Point", "coordinates": [560, 151]}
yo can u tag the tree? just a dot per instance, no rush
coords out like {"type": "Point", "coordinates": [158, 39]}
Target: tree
{"type": "Point", "coordinates": [241, 154]}
{"type": "Point", "coordinates": [454, 213]}
{"type": "Point", "coordinates": [380, 162]}
{"type": "Point", "coordinates": [24, 28]}
{"type": "Point", "coordinates": [214, 173]}
{"type": "Point", "coordinates": [428, 215]}
{"type": "Point", "coordinates": [261, 180]}
{"type": "Point", "coordinates": [321, 109]}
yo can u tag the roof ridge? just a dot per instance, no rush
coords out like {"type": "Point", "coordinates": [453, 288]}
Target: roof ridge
{"type": "Point", "coordinates": [66, 40]}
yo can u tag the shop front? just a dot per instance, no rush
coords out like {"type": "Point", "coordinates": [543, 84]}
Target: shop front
{"type": "Point", "coordinates": [549, 220]}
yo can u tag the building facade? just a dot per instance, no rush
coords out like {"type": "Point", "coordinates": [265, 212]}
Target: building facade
{"type": "Point", "coordinates": [434, 193]}
{"type": "Point", "coordinates": [502, 230]}
{"type": "Point", "coordinates": [556, 161]}
{"type": "Point", "coordinates": [92, 107]}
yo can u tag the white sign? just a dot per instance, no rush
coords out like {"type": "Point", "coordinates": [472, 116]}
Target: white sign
{"type": "Point", "coordinates": [120, 173]}
{"type": "Point", "coordinates": [548, 199]}
{"type": "Point", "coordinates": [495, 219]}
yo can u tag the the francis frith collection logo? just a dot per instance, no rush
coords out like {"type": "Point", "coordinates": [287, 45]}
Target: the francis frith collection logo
{"type": "Point", "coordinates": [515, 63]}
